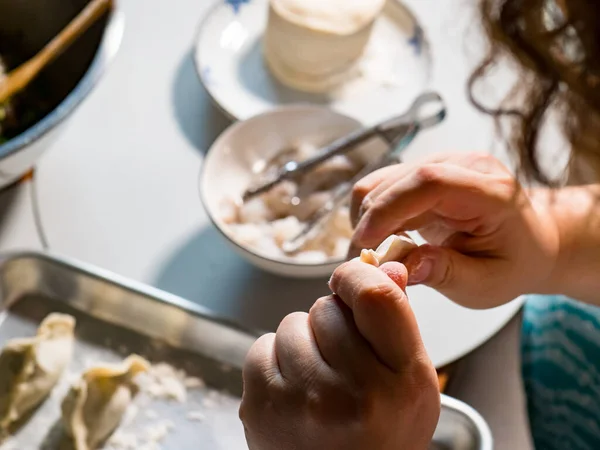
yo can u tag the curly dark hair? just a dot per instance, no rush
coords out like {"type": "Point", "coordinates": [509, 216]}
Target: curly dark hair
{"type": "Point", "coordinates": [557, 44]}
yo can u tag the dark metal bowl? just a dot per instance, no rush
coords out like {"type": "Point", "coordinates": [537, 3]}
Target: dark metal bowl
{"type": "Point", "coordinates": [25, 27]}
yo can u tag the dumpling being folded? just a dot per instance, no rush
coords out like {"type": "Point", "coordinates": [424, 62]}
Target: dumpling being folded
{"type": "Point", "coordinates": [96, 403]}
{"type": "Point", "coordinates": [31, 367]}
{"type": "Point", "coordinates": [394, 248]}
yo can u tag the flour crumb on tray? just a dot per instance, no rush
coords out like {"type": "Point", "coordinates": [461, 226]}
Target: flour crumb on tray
{"type": "Point", "coordinates": [163, 381]}
{"type": "Point", "coordinates": [157, 432]}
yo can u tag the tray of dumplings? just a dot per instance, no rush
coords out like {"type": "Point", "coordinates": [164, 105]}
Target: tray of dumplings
{"type": "Point", "coordinates": [92, 360]}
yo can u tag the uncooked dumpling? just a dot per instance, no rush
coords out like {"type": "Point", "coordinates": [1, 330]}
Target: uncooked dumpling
{"type": "Point", "coordinates": [96, 403]}
{"type": "Point", "coordinates": [31, 367]}
{"type": "Point", "coordinates": [394, 248]}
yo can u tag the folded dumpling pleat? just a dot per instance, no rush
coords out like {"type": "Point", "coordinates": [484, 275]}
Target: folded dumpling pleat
{"type": "Point", "coordinates": [31, 367]}
{"type": "Point", "coordinates": [394, 248]}
{"type": "Point", "coordinates": [96, 403]}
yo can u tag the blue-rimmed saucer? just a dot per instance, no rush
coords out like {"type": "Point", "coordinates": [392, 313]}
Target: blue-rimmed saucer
{"type": "Point", "coordinates": [228, 55]}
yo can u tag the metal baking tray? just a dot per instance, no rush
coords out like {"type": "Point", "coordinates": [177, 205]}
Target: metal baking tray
{"type": "Point", "coordinates": [116, 316]}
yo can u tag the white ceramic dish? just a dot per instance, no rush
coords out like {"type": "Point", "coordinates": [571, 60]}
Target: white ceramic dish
{"type": "Point", "coordinates": [229, 61]}
{"type": "Point", "coordinates": [227, 169]}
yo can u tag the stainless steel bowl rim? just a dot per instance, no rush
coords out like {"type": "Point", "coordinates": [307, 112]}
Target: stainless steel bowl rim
{"type": "Point", "coordinates": [111, 40]}
{"type": "Point", "coordinates": [485, 433]}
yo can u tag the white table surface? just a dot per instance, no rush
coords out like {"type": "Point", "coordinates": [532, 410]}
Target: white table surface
{"type": "Point", "coordinates": [119, 188]}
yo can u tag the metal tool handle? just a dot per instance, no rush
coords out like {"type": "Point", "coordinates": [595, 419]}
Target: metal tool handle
{"type": "Point", "coordinates": [293, 168]}
{"type": "Point", "coordinates": [407, 120]}
{"type": "Point", "coordinates": [397, 128]}
{"type": "Point", "coordinates": [398, 132]}
{"type": "Point", "coordinates": [337, 147]}
{"type": "Point", "coordinates": [340, 196]}
{"type": "Point", "coordinates": [402, 129]}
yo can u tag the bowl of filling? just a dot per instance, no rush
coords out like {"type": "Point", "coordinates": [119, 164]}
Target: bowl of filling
{"type": "Point", "coordinates": [29, 120]}
{"type": "Point", "coordinates": [251, 152]}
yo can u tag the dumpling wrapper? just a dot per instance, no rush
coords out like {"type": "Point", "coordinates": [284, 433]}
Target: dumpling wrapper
{"type": "Point", "coordinates": [31, 367]}
{"type": "Point", "coordinates": [96, 403]}
{"type": "Point", "coordinates": [394, 248]}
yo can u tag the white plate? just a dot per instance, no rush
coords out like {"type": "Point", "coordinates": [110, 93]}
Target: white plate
{"type": "Point", "coordinates": [229, 62]}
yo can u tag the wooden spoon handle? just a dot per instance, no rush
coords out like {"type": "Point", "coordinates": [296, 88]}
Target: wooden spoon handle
{"type": "Point", "coordinates": [19, 78]}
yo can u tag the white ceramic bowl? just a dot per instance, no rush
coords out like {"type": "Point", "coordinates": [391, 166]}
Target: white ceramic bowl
{"type": "Point", "coordinates": [227, 169]}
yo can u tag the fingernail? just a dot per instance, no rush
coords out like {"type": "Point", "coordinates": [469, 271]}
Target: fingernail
{"type": "Point", "coordinates": [421, 272]}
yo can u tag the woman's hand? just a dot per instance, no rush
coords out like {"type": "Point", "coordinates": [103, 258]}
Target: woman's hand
{"type": "Point", "coordinates": [489, 243]}
{"type": "Point", "coordinates": [351, 374]}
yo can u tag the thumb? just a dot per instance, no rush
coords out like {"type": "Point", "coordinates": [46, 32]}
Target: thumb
{"type": "Point", "coordinates": [462, 278]}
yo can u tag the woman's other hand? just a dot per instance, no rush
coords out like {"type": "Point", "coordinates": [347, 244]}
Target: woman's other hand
{"type": "Point", "coordinates": [489, 242]}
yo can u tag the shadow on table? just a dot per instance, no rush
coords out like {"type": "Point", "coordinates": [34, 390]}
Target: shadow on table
{"type": "Point", "coordinates": [206, 270]}
{"type": "Point", "coordinates": [199, 119]}
{"type": "Point", "coordinates": [8, 196]}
